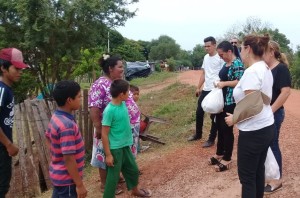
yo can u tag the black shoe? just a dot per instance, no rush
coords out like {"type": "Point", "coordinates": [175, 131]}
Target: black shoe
{"type": "Point", "coordinates": [194, 138]}
{"type": "Point", "coordinates": [208, 143]}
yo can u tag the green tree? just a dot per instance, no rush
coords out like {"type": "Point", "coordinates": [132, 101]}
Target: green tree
{"type": "Point", "coordinates": [164, 47]}
{"type": "Point", "coordinates": [130, 51]}
{"type": "Point", "coordinates": [53, 33]}
{"type": "Point", "coordinates": [197, 55]}
{"type": "Point", "coordinates": [295, 69]}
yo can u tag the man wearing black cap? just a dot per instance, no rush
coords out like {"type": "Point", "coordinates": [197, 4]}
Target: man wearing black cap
{"type": "Point", "coordinates": [11, 66]}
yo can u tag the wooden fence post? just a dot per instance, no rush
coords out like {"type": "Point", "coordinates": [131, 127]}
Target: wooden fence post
{"type": "Point", "coordinates": [33, 115]}
{"type": "Point", "coordinates": [32, 169]}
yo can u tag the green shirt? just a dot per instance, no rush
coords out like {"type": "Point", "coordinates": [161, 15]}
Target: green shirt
{"type": "Point", "coordinates": [117, 118]}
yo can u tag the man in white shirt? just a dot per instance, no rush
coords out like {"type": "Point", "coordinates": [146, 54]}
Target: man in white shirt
{"type": "Point", "coordinates": [211, 66]}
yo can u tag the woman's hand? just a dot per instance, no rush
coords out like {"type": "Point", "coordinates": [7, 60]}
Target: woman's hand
{"type": "Point", "coordinates": [229, 119]}
{"type": "Point", "coordinates": [220, 85]}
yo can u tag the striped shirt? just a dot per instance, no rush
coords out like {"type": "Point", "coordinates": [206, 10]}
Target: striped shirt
{"type": "Point", "coordinates": [65, 139]}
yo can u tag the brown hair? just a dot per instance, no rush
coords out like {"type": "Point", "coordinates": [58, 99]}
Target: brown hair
{"type": "Point", "coordinates": [258, 44]}
{"type": "Point", "coordinates": [281, 57]}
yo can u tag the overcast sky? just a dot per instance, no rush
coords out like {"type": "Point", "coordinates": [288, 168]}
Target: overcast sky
{"type": "Point", "coordinates": [190, 21]}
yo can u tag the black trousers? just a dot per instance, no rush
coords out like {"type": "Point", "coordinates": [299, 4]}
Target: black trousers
{"type": "Point", "coordinates": [5, 171]}
{"type": "Point", "coordinates": [225, 134]}
{"type": "Point", "coordinates": [200, 118]}
{"type": "Point", "coordinates": [252, 152]}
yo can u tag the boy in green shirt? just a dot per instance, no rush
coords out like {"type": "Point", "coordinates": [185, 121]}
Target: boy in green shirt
{"type": "Point", "coordinates": [117, 139]}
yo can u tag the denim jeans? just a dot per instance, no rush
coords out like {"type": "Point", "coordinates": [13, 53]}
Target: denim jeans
{"type": "Point", "coordinates": [5, 171]}
{"type": "Point", "coordinates": [278, 119]}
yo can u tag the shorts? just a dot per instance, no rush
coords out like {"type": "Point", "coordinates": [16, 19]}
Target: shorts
{"type": "Point", "coordinates": [64, 191]}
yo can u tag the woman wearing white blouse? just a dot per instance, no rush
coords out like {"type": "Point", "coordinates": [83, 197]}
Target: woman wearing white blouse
{"type": "Point", "coordinates": [256, 132]}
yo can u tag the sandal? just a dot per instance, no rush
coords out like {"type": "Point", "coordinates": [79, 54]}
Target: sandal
{"type": "Point", "coordinates": [270, 189]}
{"type": "Point", "coordinates": [222, 167]}
{"type": "Point", "coordinates": [213, 161]}
{"type": "Point", "coordinates": [144, 193]}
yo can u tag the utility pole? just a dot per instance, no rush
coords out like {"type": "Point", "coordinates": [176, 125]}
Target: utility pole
{"type": "Point", "coordinates": [108, 41]}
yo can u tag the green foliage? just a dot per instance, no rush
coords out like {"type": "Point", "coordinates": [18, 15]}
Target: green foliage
{"type": "Point", "coordinates": [157, 67]}
{"type": "Point", "coordinates": [25, 87]}
{"type": "Point", "coordinates": [295, 69]}
{"type": "Point", "coordinates": [198, 55]}
{"type": "Point", "coordinates": [52, 33]}
{"type": "Point", "coordinates": [130, 51]}
{"type": "Point", "coordinates": [164, 47]}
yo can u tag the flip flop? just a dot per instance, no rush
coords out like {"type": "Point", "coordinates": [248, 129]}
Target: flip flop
{"type": "Point", "coordinates": [145, 193]}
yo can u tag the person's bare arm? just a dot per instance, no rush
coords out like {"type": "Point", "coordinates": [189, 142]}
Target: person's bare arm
{"type": "Point", "coordinates": [108, 156]}
{"type": "Point", "coordinates": [200, 83]}
{"type": "Point", "coordinates": [283, 96]}
{"type": "Point", "coordinates": [71, 165]}
{"type": "Point", "coordinates": [232, 83]}
{"type": "Point", "coordinates": [95, 115]}
{"type": "Point", "coordinates": [10, 147]}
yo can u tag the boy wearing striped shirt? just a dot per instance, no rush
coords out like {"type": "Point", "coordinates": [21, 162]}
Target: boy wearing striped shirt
{"type": "Point", "coordinates": [65, 143]}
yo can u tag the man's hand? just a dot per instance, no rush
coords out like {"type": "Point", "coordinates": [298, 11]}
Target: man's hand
{"type": "Point", "coordinates": [229, 119]}
{"type": "Point", "coordinates": [198, 92]}
{"type": "Point", "coordinates": [109, 160]}
{"type": "Point", "coordinates": [12, 149]}
{"type": "Point", "coordinates": [81, 191]}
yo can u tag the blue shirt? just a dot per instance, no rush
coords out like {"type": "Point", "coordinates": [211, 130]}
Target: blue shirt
{"type": "Point", "coordinates": [6, 110]}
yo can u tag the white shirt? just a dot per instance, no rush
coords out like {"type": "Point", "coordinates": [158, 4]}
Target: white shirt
{"type": "Point", "coordinates": [256, 77]}
{"type": "Point", "coordinates": [212, 66]}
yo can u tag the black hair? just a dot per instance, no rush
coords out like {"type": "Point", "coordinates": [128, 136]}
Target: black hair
{"type": "Point", "coordinates": [5, 64]}
{"type": "Point", "coordinates": [108, 62]}
{"type": "Point", "coordinates": [118, 86]}
{"type": "Point", "coordinates": [226, 46]}
{"type": "Point", "coordinates": [210, 39]}
{"type": "Point", "coordinates": [65, 89]}
{"type": "Point", "coordinates": [134, 88]}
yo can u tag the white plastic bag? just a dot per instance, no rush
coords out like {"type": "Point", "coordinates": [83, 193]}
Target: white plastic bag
{"type": "Point", "coordinates": [271, 166]}
{"type": "Point", "coordinates": [213, 102]}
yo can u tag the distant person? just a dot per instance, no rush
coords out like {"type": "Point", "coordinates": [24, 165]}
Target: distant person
{"type": "Point", "coordinates": [253, 115]}
{"type": "Point", "coordinates": [117, 140]}
{"type": "Point", "coordinates": [229, 75]}
{"type": "Point", "coordinates": [278, 64]}
{"type": "Point", "coordinates": [66, 144]}
{"type": "Point", "coordinates": [136, 126]}
{"type": "Point", "coordinates": [236, 47]}
{"type": "Point", "coordinates": [11, 66]}
{"type": "Point", "coordinates": [211, 67]}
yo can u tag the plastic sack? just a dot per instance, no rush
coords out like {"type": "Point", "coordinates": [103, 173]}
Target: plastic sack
{"type": "Point", "coordinates": [213, 102]}
{"type": "Point", "coordinates": [271, 166]}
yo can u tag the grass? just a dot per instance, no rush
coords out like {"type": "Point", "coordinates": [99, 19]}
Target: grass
{"type": "Point", "coordinates": [154, 78]}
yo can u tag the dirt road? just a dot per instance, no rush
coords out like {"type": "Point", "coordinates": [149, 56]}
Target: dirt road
{"type": "Point", "coordinates": [185, 173]}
